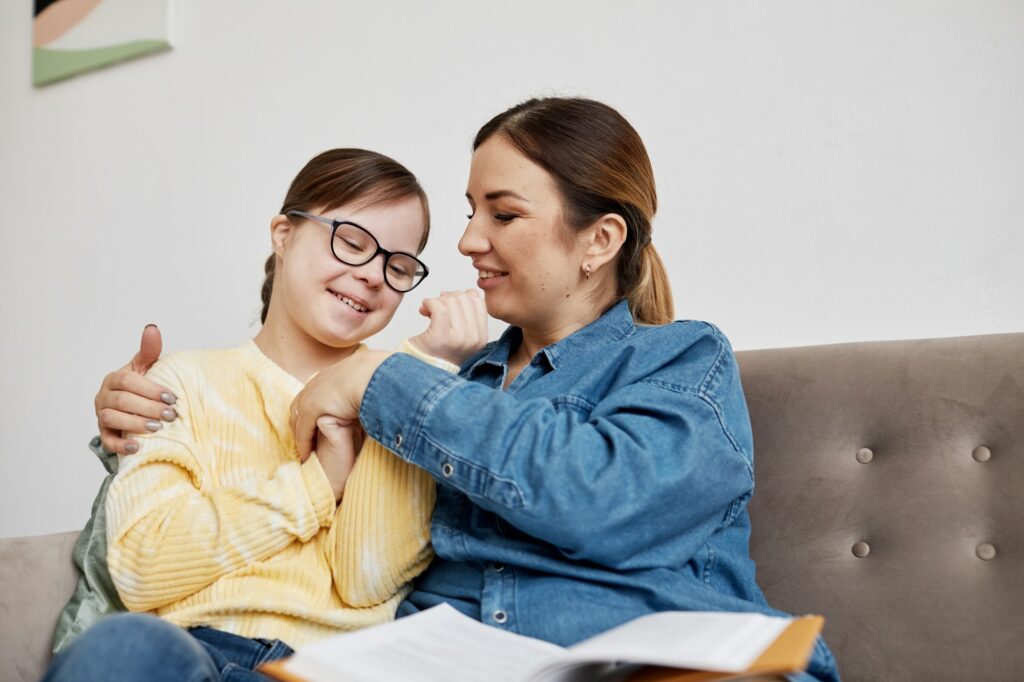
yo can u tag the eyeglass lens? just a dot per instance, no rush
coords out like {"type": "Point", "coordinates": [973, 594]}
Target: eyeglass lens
{"type": "Point", "coordinates": [355, 246]}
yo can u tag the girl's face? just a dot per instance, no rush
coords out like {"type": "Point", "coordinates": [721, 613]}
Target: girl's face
{"type": "Point", "coordinates": [340, 305]}
{"type": "Point", "coordinates": [528, 260]}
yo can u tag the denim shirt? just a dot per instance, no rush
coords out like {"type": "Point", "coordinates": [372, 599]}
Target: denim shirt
{"type": "Point", "coordinates": [608, 481]}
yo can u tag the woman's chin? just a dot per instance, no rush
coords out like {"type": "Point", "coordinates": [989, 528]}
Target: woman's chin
{"type": "Point", "coordinates": [500, 310]}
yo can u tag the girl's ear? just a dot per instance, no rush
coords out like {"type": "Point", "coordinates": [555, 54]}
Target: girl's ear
{"type": "Point", "coordinates": [280, 231]}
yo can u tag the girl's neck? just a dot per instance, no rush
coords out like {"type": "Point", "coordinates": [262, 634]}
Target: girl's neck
{"type": "Point", "coordinates": [297, 353]}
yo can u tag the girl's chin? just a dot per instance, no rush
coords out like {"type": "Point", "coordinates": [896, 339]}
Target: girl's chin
{"type": "Point", "coordinates": [343, 334]}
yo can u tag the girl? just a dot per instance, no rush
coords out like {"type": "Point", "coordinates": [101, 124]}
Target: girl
{"type": "Point", "coordinates": [241, 547]}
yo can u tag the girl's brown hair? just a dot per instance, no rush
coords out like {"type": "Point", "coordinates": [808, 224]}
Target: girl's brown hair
{"type": "Point", "coordinates": [341, 176]}
{"type": "Point", "coordinates": [601, 166]}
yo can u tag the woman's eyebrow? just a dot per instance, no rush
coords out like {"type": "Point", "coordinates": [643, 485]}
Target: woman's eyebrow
{"type": "Point", "coordinates": [501, 193]}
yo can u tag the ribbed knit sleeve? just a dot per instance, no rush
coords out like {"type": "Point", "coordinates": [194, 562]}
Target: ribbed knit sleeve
{"type": "Point", "coordinates": [382, 530]}
{"type": "Point", "coordinates": [381, 536]}
{"type": "Point", "coordinates": [172, 530]}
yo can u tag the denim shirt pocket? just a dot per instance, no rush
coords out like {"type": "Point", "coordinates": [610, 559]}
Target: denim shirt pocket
{"type": "Point", "coordinates": [471, 479]}
{"type": "Point", "coordinates": [581, 407]}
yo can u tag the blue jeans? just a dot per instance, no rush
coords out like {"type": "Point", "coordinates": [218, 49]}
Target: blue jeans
{"type": "Point", "coordinates": [136, 646]}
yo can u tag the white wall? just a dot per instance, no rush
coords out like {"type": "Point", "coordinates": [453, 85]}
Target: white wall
{"type": "Point", "coordinates": [828, 172]}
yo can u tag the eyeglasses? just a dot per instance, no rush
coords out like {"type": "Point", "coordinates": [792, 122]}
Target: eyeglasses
{"type": "Point", "coordinates": [354, 245]}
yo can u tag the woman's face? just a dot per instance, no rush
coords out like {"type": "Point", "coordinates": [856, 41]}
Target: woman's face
{"type": "Point", "coordinates": [336, 304]}
{"type": "Point", "coordinates": [528, 261]}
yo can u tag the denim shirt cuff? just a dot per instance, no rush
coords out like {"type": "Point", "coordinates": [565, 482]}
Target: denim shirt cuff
{"type": "Point", "coordinates": [398, 400]}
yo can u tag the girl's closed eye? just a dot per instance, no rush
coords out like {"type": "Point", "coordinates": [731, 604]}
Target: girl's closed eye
{"type": "Point", "coordinates": [505, 217]}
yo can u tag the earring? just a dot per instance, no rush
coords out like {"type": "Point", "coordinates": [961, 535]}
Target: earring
{"type": "Point", "coordinates": [586, 270]}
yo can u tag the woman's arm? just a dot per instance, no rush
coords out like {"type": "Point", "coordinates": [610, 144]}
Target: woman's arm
{"type": "Point", "coordinates": [171, 532]}
{"type": "Point", "coordinates": [655, 463]}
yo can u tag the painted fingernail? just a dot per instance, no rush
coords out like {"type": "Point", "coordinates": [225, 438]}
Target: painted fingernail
{"type": "Point", "coordinates": [168, 398]}
{"type": "Point", "coordinates": [154, 425]}
{"type": "Point", "coordinates": [131, 448]}
{"type": "Point", "coordinates": [169, 414]}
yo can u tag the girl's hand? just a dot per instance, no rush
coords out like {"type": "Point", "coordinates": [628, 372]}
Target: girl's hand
{"type": "Point", "coordinates": [458, 325]}
{"type": "Point", "coordinates": [127, 401]}
{"type": "Point", "coordinates": [335, 392]}
{"type": "Point", "coordinates": [338, 442]}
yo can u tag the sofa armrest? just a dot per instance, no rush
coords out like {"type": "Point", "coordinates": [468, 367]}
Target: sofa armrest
{"type": "Point", "coordinates": [37, 579]}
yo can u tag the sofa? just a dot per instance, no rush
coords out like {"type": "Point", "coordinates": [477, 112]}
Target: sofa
{"type": "Point", "coordinates": [889, 498]}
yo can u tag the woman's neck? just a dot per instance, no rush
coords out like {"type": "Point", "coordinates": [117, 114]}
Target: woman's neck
{"type": "Point", "coordinates": [296, 352]}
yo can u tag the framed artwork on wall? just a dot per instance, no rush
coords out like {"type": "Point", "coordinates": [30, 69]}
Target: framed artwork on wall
{"type": "Point", "coordinates": [70, 37]}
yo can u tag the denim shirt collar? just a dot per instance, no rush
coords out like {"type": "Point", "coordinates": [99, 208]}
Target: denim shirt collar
{"type": "Point", "coordinates": [614, 324]}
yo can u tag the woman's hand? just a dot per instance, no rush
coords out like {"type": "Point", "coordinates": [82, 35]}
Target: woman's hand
{"type": "Point", "coordinates": [335, 392]}
{"type": "Point", "coordinates": [127, 401]}
{"type": "Point", "coordinates": [458, 325]}
{"type": "Point", "coordinates": [337, 444]}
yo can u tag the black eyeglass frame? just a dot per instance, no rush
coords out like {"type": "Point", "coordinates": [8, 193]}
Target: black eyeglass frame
{"type": "Point", "coordinates": [335, 224]}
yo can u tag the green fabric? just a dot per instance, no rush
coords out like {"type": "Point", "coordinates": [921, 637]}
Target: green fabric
{"type": "Point", "coordinates": [95, 595]}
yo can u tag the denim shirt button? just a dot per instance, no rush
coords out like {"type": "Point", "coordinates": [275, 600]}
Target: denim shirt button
{"type": "Point", "coordinates": [499, 616]}
{"type": "Point", "coordinates": [398, 440]}
{"type": "Point", "coordinates": [447, 470]}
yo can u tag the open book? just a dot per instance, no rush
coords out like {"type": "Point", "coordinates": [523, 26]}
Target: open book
{"type": "Point", "coordinates": [441, 644]}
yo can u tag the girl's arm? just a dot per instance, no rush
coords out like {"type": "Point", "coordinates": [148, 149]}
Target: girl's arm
{"type": "Point", "coordinates": [171, 533]}
{"type": "Point", "coordinates": [381, 534]}
{"type": "Point", "coordinates": [380, 539]}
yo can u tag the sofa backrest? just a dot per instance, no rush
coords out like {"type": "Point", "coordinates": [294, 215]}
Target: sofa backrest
{"type": "Point", "coordinates": [890, 499]}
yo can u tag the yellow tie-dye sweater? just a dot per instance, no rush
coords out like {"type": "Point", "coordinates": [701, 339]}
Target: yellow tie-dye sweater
{"type": "Point", "coordinates": [215, 522]}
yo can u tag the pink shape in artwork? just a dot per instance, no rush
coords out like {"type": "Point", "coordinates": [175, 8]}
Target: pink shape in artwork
{"type": "Point", "coordinates": [58, 19]}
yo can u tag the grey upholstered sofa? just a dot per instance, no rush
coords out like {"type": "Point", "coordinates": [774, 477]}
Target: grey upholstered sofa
{"type": "Point", "coordinates": [890, 498]}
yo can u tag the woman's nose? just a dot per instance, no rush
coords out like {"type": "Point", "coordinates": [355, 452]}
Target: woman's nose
{"type": "Point", "coordinates": [472, 240]}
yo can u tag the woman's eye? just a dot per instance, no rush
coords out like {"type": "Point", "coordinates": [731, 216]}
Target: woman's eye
{"type": "Point", "coordinates": [504, 217]}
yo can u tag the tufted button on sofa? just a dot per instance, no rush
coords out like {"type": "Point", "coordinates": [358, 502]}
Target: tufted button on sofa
{"type": "Point", "coordinates": [889, 498]}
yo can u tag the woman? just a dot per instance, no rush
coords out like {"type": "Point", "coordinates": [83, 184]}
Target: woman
{"type": "Point", "coordinates": [217, 526]}
{"type": "Point", "coordinates": [595, 463]}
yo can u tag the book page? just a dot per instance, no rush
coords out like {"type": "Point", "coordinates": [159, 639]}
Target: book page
{"type": "Point", "coordinates": [726, 642]}
{"type": "Point", "coordinates": [439, 644]}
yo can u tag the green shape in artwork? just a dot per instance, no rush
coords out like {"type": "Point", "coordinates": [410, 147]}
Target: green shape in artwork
{"type": "Point", "coordinates": [50, 66]}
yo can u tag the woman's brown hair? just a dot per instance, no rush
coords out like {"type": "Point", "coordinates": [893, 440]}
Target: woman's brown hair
{"type": "Point", "coordinates": [341, 176]}
{"type": "Point", "coordinates": [601, 166]}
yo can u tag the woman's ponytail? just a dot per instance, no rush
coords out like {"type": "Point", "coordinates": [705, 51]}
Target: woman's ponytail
{"type": "Point", "coordinates": [650, 300]}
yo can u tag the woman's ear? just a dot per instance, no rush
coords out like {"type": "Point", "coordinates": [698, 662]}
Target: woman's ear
{"type": "Point", "coordinates": [604, 239]}
{"type": "Point", "coordinates": [280, 231]}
